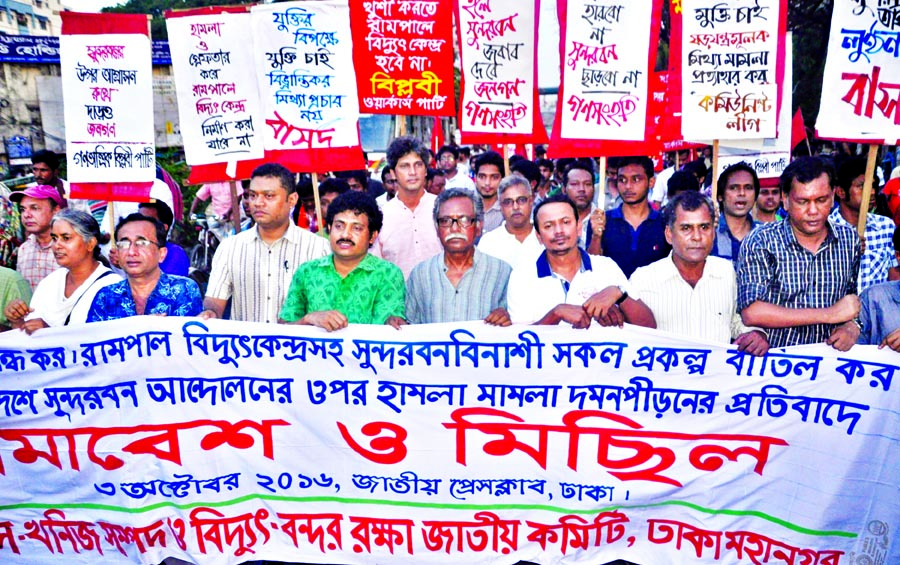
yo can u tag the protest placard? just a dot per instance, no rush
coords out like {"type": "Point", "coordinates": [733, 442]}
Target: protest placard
{"type": "Point", "coordinates": [218, 100]}
{"type": "Point", "coordinates": [499, 101]}
{"type": "Point", "coordinates": [146, 438]}
{"type": "Point", "coordinates": [106, 74]}
{"type": "Point", "coordinates": [732, 64]}
{"type": "Point", "coordinates": [403, 53]}
{"type": "Point", "coordinates": [861, 83]}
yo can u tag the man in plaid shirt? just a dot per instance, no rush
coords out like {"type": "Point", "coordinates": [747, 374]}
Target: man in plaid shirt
{"type": "Point", "coordinates": [878, 263]}
{"type": "Point", "coordinates": [797, 278]}
{"type": "Point", "coordinates": [37, 206]}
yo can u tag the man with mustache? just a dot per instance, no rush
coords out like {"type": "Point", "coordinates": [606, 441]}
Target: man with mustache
{"type": "Point", "coordinates": [461, 283]}
{"type": "Point", "coordinates": [565, 283]}
{"type": "Point", "coordinates": [515, 239]}
{"type": "Point", "coordinates": [350, 286]}
{"type": "Point", "coordinates": [690, 293]}
{"type": "Point", "coordinates": [37, 206]}
{"type": "Point", "coordinates": [738, 188]}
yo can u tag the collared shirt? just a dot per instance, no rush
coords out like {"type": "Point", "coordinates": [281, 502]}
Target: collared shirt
{"type": "Point", "coordinates": [35, 262]}
{"type": "Point", "coordinates": [219, 193]}
{"type": "Point", "coordinates": [369, 294]}
{"type": "Point", "coordinates": [727, 246]}
{"type": "Point", "coordinates": [879, 256]}
{"type": "Point", "coordinates": [12, 286]}
{"type": "Point", "coordinates": [430, 298]}
{"type": "Point", "coordinates": [493, 217]}
{"type": "Point", "coordinates": [705, 311]}
{"type": "Point", "coordinates": [256, 275]}
{"type": "Point", "coordinates": [534, 289]}
{"type": "Point", "coordinates": [880, 313]}
{"type": "Point", "coordinates": [172, 296]}
{"type": "Point", "coordinates": [773, 267]}
{"type": "Point", "coordinates": [408, 237]}
{"type": "Point", "coordinates": [460, 180]}
{"type": "Point", "coordinates": [506, 247]}
{"type": "Point", "coordinates": [632, 248]}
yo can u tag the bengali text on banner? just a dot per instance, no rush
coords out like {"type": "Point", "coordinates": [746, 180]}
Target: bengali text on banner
{"type": "Point", "coordinates": [221, 442]}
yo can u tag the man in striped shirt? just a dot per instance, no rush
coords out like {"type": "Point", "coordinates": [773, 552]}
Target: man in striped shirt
{"type": "Point", "coordinates": [254, 268]}
{"type": "Point", "coordinates": [797, 278]}
{"type": "Point", "coordinates": [690, 292]}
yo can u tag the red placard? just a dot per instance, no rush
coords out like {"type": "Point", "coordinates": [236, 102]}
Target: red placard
{"type": "Point", "coordinates": [403, 55]}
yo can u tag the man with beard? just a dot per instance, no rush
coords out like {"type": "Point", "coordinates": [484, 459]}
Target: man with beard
{"type": "Point", "coordinates": [350, 286]}
{"type": "Point", "coordinates": [738, 187]}
{"type": "Point", "coordinates": [578, 185]}
{"type": "Point", "coordinates": [634, 233]}
{"type": "Point", "coordinates": [461, 283]}
{"type": "Point", "coordinates": [564, 283]}
{"type": "Point", "coordinates": [768, 205]}
{"type": "Point", "coordinates": [489, 170]}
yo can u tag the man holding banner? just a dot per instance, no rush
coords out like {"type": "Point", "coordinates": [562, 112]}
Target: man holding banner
{"type": "Point", "coordinates": [797, 278]}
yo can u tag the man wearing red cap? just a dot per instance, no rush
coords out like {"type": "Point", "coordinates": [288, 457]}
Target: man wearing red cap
{"type": "Point", "coordinates": [37, 205]}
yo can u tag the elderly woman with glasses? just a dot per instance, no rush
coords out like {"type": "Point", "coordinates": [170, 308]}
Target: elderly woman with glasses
{"type": "Point", "coordinates": [64, 297]}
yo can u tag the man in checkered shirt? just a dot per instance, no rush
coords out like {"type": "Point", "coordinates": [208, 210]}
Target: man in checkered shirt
{"type": "Point", "coordinates": [797, 278]}
{"type": "Point", "coordinates": [878, 263]}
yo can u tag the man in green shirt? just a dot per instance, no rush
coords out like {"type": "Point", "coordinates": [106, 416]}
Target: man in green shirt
{"type": "Point", "coordinates": [350, 286]}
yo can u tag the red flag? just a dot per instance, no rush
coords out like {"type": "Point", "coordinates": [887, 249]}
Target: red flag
{"type": "Point", "coordinates": [798, 129]}
{"type": "Point", "coordinates": [437, 135]}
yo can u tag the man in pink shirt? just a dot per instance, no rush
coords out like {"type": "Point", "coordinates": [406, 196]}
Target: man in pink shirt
{"type": "Point", "coordinates": [220, 195]}
{"type": "Point", "coordinates": [408, 236]}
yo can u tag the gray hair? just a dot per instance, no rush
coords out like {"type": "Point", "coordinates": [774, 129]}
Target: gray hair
{"type": "Point", "coordinates": [83, 224]}
{"type": "Point", "coordinates": [513, 180]}
{"type": "Point", "coordinates": [451, 193]}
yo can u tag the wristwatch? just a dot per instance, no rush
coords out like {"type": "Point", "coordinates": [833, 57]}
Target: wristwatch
{"type": "Point", "coordinates": [623, 297]}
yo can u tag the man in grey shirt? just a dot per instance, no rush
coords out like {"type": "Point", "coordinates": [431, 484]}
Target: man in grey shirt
{"type": "Point", "coordinates": [461, 283]}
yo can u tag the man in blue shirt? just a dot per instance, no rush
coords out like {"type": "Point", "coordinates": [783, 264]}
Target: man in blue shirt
{"type": "Point", "coordinates": [176, 261]}
{"type": "Point", "coordinates": [140, 241]}
{"type": "Point", "coordinates": [880, 313]}
{"type": "Point", "coordinates": [738, 188]}
{"type": "Point", "coordinates": [634, 234]}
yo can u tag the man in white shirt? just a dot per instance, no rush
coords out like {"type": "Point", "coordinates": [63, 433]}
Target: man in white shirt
{"type": "Point", "coordinates": [690, 292]}
{"type": "Point", "coordinates": [515, 240]}
{"type": "Point", "coordinates": [448, 160]}
{"type": "Point", "coordinates": [565, 284]}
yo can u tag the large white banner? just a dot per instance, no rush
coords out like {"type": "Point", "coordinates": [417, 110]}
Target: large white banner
{"type": "Point", "coordinates": [604, 70]}
{"type": "Point", "coordinates": [219, 443]}
{"type": "Point", "coordinates": [106, 78]}
{"type": "Point", "coordinates": [218, 100]}
{"type": "Point", "coordinates": [497, 57]}
{"type": "Point", "coordinates": [729, 61]}
{"type": "Point", "coordinates": [304, 66]}
{"type": "Point", "coordinates": [861, 85]}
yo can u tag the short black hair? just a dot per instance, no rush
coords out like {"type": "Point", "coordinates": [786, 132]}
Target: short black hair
{"type": "Point", "coordinates": [333, 185]}
{"type": "Point", "coordinates": [639, 160]}
{"type": "Point", "coordinates": [741, 167]}
{"type": "Point", "coordinates": [384, 172]}
{"type": "Point", "coordinates": [681, 181]}
{"type": "Point", "coordinates": [162, 210]}
{"type": "Point", "coordinates": [545, 163]}
{"type": "Point", "coordinates": [696, 167]}
{"type": "Point", "coordinates": [138, 217]}
{"type": "Point", "coordinates": [849, 169]}
{"type": "Point", "coordinates": [577, 166]}
{"type": "Point", "coordinates": [515, 158]}
{"type": "Point", "coordinates": [47, 157]}
{"type": "Point", "coordinates": [527, 169]}
{"type": "Point", "coordinates": [358, 174]}
{"type": "Point", "coordinates": [357, 202]}
{"type": "Point", "coordinates": [447, 149]}
{"type": "Point", "coordinates": [305, 187]}
{"type": "Point", "coordinates": [805, 170]}
{"type": "Point", "coordinates": [688, 201]}
{"type": "Point", "coordinates": [276, 171]}
{"type": "Point", "coordinates": [403, 146]}
{"type": "Point", "coordinates": [489, 158]}
{"type": "Point", "coordinates": [559, 197]}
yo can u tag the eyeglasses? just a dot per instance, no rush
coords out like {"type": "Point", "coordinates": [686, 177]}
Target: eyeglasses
{"type": "Point", "coordinates": [462, 221]}
{"type": "Point", "coordinates": [140, 243]}
{"type": "Point", "coordinates": [521, 201]}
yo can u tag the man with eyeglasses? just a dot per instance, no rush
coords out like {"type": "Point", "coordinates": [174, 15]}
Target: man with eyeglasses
{"type": "Point", "coordinates": [448, 160]}
{"type": "Point", "coordinates": [407, 237]}
{"type": "Point", "coordinates": [140, 241]}
{"type": "Point", "coordinates": [461, 283]}
{"type": "Point", "coordinates": [878, 263]}
{"type": "Point", "coordinates": [515, 239]}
